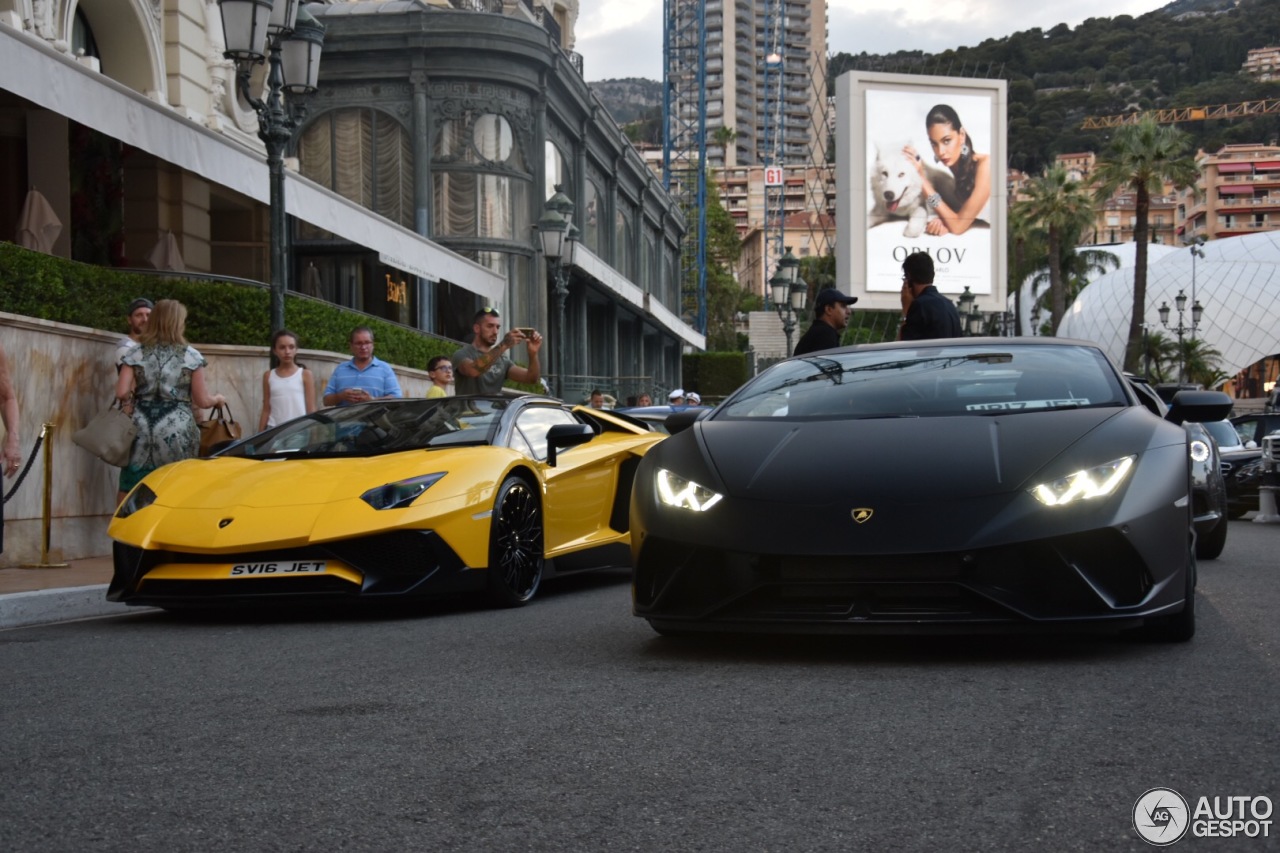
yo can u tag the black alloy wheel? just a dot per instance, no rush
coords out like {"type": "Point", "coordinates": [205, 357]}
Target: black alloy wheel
{"type": "Point", "coordinates": [515, 544]}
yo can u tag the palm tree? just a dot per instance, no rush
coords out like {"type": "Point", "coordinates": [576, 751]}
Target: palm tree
{"type": "Point", "coordinates": [1059, 204]}
{"type": "Point", "coordinates": [1159, 357]}
{"type": "Point", "coordinates": [1079, 267]}
{"type": "Point", "coordinates": [1201, 363]}
{"type": "Point", "coordinates": [1025, 247]}
{"type": "Point", "coordinates": [1143, 158]}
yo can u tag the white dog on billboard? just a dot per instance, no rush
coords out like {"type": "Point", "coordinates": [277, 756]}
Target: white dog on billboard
{"type": "Point", "coordinates": [898, 191]}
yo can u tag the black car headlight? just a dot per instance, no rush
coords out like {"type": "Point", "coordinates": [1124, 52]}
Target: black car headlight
{"type": "Point", "coordinates": [674, 490]}
{"type": "Point", "coordinates": [1096, 482]}
{"type": "Point", "coordinates": [401, 493]}
{"type": "Point", "coordinates": [140, 498]}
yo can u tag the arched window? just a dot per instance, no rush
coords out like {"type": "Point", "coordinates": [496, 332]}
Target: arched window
{"type": "Point", "coordinates": [480, 180]}
{"type": "Point", "coordinates": [82, 41]}
{"type": "Point", "coordinates": [363, 155]}
{"type": "Point", "coordinates": [590, 218]}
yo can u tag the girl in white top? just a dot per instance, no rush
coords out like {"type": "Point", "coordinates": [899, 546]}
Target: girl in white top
{"type": "Point", "coordinates": [288, 391]}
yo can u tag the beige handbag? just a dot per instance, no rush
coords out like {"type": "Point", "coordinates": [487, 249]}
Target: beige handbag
{"type": "Point", "coordinates": [220, 429]}
{"type": "Point", "coordinates": [109, 436]}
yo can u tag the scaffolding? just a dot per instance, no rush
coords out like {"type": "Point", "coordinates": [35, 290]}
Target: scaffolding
{"type": "Point", "coordinates": [684, 143]}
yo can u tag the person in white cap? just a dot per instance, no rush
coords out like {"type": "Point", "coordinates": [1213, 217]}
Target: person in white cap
{"type": "Point", "coordinates": [693, 399]}
{"type": "Point", "coordinates": [676, 397]}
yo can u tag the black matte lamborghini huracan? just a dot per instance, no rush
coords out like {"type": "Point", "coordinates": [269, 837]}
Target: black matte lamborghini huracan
{"type": "Point", "coordinates": [959, 485]}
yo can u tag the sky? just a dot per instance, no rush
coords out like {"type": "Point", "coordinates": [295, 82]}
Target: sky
{"type": "Point", "coordinates": [623, 38]}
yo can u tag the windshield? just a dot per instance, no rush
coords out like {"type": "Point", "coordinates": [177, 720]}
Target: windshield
{"type": "Point", "coordinates": [381, 426]}
{"type": "Point", "coordinates": [971, 380]}
{"type": "Point", "coordinates": [1223, 433]}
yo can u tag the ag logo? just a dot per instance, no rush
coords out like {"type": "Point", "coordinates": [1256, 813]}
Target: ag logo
{"type": "Point", "coordinates": [1161, 816]}
{"type": "Point", "coordinates": [862, 514]}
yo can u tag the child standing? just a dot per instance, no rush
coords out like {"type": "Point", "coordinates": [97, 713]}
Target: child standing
{"type": "Point", "coordinates": [288, 391]}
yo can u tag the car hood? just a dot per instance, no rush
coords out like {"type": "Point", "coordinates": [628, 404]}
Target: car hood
{"type": "Point", "coordinates": [952, 457]}
{"type": "Point", "coordinates": [224, 482]}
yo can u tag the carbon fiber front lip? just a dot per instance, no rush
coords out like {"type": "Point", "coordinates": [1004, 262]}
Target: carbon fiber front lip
{"type": "Point", "coordinates": [397, 564]}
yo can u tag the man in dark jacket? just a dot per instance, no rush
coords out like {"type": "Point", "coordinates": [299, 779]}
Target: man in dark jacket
{"type": "Point", "coordinates": [926, 313]}
{"type": "Point", "coordinates": [831, 315]}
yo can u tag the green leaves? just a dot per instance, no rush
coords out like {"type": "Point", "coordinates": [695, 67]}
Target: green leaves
{"type": "Point", "coordinates": [50, 288]}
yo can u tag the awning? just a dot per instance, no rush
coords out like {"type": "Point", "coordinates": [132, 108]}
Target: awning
{"type": "Point", "coordinates": [628, 292]}
{"type": "Point", "coordinates": [1236, 189]}
{"type": "Point", "coordinates": [1235, 167]}
{"type": "Point", "coordinates": [1267, 165]}
{"type": "Point", "coordinates": [35, 71]}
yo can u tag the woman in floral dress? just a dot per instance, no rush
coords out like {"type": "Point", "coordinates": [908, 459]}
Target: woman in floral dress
{"type": "Point", "coordinates": [159, 381]}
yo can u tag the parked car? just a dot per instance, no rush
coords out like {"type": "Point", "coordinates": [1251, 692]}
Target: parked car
{"type": "Point", "coordinates": [895, 488]}
{"type": "Point", "coordinates": [386, 499]}
{"type": "Point", "coordinates": [1242, 472]}
{"type": "Point", "coordinates": [656, 416]}
{"type": "Point", "coordinates": [1252, 428]}
{"type": "Point", "coordinates": [1226, 436]}
{"type": "Point", "coordinates": [1208, 475]}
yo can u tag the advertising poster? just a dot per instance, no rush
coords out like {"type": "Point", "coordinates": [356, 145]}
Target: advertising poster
{"type": "Point", "coordinates": [926, 173]}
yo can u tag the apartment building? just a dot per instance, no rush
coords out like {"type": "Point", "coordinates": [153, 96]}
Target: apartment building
{"type": "Point", "coordinates": [1238, 193]}
{"type": "Point", "coordinates": [739, 97]}
{"type": "Point", "coordinates": [1263, 63]}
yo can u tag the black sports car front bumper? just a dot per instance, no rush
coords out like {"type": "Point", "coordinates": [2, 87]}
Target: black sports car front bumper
{"type": "Point", "coordinates": [1086, 580]}
{"type": "Point", "coordinates": [401, 564]}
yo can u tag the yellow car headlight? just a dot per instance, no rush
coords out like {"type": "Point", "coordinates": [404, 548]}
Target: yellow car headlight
{"type": "Point", "coordinates": [676, 491]}
{"type": "Point", "coordinates": [140, 498]}
{"type": "Point", "coordinates": [1096, 482]}
{"type": "Point", "coordinates": [401, 493]}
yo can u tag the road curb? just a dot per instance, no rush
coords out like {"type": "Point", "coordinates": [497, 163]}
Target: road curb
{"type": "Point", "coordinates": [42, 607]}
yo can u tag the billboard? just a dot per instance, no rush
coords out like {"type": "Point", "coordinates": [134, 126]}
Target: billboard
{"type": "Point", "coordinates": [920, 167]}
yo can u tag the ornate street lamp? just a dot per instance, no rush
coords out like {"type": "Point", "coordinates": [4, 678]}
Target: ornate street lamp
{"type": "Point", "coordinates": [289, 40]}
{"type": "Point", "coordinates": [1197, 312]}
{"type": "Point", "coordinates": [558, 237]}
{"type": "Point", "coordinates": [789, 295]}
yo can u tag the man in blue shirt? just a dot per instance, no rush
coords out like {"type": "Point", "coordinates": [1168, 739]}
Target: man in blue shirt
{"type": "Point", "coordinates": [363, 377]}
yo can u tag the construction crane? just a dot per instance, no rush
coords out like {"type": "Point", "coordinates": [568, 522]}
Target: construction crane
{"type": "Point", "coordinates": [684, 143]}
{"type": "Point", "coordinates": [1262, 107]}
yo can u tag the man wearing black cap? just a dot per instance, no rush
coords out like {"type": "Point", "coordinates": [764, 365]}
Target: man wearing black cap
{"type": "Point", "coordinates": [830, 316]}
{"type": "Point", "coordinates": [926, 313]}
{"type": "Point", "coordinates": [137, 315]}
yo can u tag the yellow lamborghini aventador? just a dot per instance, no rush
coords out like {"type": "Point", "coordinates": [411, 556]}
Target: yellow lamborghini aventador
{"type": "Point", "coordinates": [391, 498]}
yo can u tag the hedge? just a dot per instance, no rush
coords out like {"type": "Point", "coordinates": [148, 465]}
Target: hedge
{"type": "Point", "coordinates": [49, 288]}
{"type": "Point", "coordinates": [714, 374]}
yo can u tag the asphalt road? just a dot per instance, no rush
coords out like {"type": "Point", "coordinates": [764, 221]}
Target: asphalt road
{"type": "Point", "coordinates": [569, 725]}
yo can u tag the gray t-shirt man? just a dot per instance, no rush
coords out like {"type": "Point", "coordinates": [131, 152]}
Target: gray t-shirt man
{"type": "Point", "coordinates": [489, 382]}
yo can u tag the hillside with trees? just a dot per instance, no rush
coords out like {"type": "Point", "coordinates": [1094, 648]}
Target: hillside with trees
{"type": "Point", "coordinates": [1187, 53]}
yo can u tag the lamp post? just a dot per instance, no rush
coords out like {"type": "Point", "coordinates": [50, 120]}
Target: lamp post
{"type": "Point", "coordinates": [970, 317]}
{"type": "Point", "coordinates": [290, 41]}
{"type": "Point", "coordinates": [1196, 252]}
{"type": "Point", "coordinates": [558, 237]}
{"type": "Point", "coordinates": [790, 293]}
{"type": "Point", "coordinates": [1181, 329]}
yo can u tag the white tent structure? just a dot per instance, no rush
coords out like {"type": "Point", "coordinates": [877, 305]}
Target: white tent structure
{"type": "Point", "coordinates": [1237, 281]}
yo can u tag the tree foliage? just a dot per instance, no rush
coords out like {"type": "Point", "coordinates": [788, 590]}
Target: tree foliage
{"type": "Point", "coordinates": [1060, 207]}
{"type": "Point", "coordinates": [1111, 66]}
{"type": "Point", "coordinates": [1142, 158]}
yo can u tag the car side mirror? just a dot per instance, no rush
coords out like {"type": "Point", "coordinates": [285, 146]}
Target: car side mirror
{"type": "Point", "coordinates": [562, 436]}
{"type": "Point", "coordinates": [681, 421]}
{"type": "Point", "coordinates": [1199, 406]}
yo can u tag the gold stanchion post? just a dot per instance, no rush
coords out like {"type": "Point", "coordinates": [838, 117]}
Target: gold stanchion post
{"type": "Point", "coordinates": [46, 521]}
